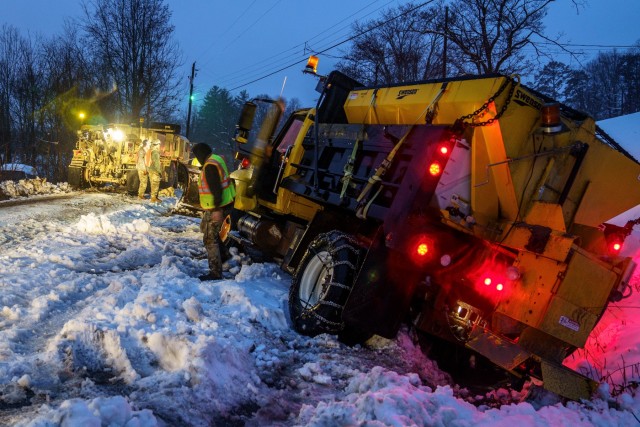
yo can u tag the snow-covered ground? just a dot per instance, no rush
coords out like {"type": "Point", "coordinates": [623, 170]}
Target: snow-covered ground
{"type": "Point", "coordinates": [103, 321]}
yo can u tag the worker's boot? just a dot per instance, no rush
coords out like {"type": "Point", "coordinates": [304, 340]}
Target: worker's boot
{"type": "Point", "coordinates": [206, 277]}
{"type": "Point", "coordinates": [155, 200]}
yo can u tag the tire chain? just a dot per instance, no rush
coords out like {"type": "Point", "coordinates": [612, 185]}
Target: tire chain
{"type": "Point", "coordinates": [352, 247]}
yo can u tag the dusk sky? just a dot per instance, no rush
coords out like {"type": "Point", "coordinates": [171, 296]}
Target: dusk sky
{"type": "Point", "coordinates": [234, 43]}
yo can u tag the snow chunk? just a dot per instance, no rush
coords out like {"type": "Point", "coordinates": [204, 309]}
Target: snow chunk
{"type": "Point", "coordinates": [95, 224]}
{"type": "Point", "coordinates": [24, 381]}
{"type": "Point", "coordinates": [192, 309]}
{"type": "Point", "coordinates": [172, 352]}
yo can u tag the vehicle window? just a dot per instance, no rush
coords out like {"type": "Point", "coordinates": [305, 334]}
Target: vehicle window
{"type": "Point", "coordinates": [290, 136]}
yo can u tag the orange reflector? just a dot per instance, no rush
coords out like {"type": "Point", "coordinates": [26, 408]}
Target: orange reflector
{"type": "Point", "coordinates": [422, 249]}
{"type": "Point", "coordinates": [312, 64]}
{"type": "Point", "coordinates": [551, 114]}
{"type": "Point", "coordinates": [435, 169]}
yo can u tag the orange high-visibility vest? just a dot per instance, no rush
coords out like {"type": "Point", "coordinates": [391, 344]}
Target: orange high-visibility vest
{"type": "Point", "coordinates": [228, 188]}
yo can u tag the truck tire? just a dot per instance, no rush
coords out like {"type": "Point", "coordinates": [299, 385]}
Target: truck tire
{"type": "Point", "coordinates": [133, 182]}
{"type": "Point", "coordinates": [76, 178]}
{"type": "Point", "coordinates": [182, 177]}
{"type": "Point", "coordinates": [322, 283]}
{"type": "Point", "coordinates": [172, 175]}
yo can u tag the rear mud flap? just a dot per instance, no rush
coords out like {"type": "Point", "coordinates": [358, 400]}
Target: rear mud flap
{"type": "Point", "coordinates": [502, 352]}
{"type": "Point", "coordinates": [566, 382]}
{"type": "Point", "coordinates": [380, 299]}
{"type": "Point", "coordinates": [508, 355]}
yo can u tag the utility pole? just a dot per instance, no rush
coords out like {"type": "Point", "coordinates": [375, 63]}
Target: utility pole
{"type": "Point", "coordinates": [193, 73]}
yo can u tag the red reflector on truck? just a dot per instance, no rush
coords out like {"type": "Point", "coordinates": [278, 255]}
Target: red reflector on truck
{"type": "Point", "coordinates": [422, 249]}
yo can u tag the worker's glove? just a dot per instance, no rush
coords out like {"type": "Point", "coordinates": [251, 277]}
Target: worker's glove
{"type": "Point", "coordinates": [225, 228]}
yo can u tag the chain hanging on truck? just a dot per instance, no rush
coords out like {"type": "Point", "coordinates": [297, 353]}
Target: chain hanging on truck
{"type": "Point", "coordinates": [460, 123]}
{"type": "Point", "coordinates": [376, 178]}
{"type": "Point", "coordinates": [348, 167]}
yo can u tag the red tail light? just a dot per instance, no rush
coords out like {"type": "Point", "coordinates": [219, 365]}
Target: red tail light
{"type": "Point", "coordinates": [492, 279]}
{"type": "Point", "coordinates": [422, 249]}
{"type": "Point", "coordinates": [435, 169]}
{"type": "Point", "coordinates": [615, 247]}
{"type": "Point", "coordinates": [444, 149]}
{"type": "Point", "coordinates": [615, 237]}
{"type": "Point", "coordinates": [245, 163]}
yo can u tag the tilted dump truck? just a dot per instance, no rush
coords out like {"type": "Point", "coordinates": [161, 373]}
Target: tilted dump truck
{"type": "Point", "coordinates": [474, 208]}
{"type": "Point", "coordinates": [107, 154]}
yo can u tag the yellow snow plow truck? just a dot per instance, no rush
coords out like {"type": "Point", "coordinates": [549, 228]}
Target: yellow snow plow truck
{"type": "Point", "coordinates": [107, 154]}
{"type": "Point", "coordinates": [474, 208]}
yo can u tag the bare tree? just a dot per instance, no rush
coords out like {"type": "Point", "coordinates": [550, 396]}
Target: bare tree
{"type": "Point", "coordinates": [28, 96]}
{"type": "Point", "coordinates": [398, 47]}
{"type": "Point", "coordinates": [482, 36]}
{"type": "Point", "coordinates": [291, 105]}
{"type": "Point", "coordinates": [489, 36]}
{"type": "Point", "coordinates": [610, 84]}
{"type": "Point", "coordinates": [630, 72]}
{"type": "Point", "coordinates": [68, 92]}
{"type": "Point", "coordinates": [132, 42]}
{"type": "Point", "coordinates": [10, 44]}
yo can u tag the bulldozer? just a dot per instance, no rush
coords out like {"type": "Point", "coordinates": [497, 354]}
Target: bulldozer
{"type": "Point", "coordinates": [106, 155]}
{"type": "Point", "coordinates": [474, 209]}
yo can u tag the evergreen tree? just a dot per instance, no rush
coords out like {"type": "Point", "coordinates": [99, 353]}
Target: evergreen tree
{"type": "Point", "coordinates": [215, 122]}
{"type": "Point", "coordinates": [553, 79]}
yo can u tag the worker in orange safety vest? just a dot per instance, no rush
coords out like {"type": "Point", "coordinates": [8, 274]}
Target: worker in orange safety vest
{"type": "Point", "coordinates": [217, 193]}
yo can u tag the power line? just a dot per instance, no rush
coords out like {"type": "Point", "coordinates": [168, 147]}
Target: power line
{"type": "Point", "coordinates": [599, 46]}
{"type": "Point", "coordinates": [335, 45]}
{"type": "Point", "coordinates": [229, 28]}
{"type": "Point", "coordinates": [274, 60]}
{"type": "Point", "coordinates": [269, 71]}
{"type": "Point", "coordinates": [254, 23]}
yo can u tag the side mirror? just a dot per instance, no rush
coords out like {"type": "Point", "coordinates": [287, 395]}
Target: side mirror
{"type": "Point", "coordinates": [245, 122]}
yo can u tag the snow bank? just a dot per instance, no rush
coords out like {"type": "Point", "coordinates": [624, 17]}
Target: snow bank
{"type": "Point", "coordinates": [31, 187]}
